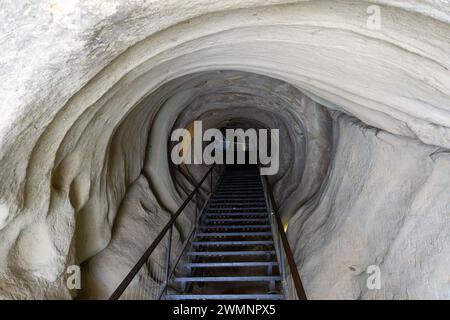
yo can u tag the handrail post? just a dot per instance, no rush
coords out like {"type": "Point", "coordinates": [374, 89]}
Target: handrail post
{"type": "Point", "coordinates": [280, 248]}
{"type": "Point", "coordinates": [168, 253]}
{"type": "Point", "coordinates": [211, 177]}
{"type": "Point", "coordinates": [196, 207]}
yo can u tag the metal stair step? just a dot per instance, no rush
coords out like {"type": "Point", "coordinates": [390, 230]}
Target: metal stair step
{"type": "Point", "coordinates": [243, 188]}
{"type": "Point", "coordinates": [239, 189]}
{"type": "Point", "coordinates": [253, 195]}
{"type": "Point", "coordinates": [228, 279]}
{"type": "Point", "coordinates": [232, 175]}
{"type": "Point", "coordinates": [231, 208]}
{"type": "Point", "coordinates": [251, 182]}
{"type": "Point", "coordinates": [238, 182]}
{"type": "Point", "coordinates": [234, 234]}
{"type": "Point", "coordinates": [241, 176]}
{"type": "Point", "coordinates": [231, 264]}
{"type": "Point", "coordinates": [236, 211]}
{"type": "Point", "coordinates": [236, 220]}
{"type": "Point", "coordinates": [259, 197]}
{"type": "Point", "coordinates": [233, 243]}
{"type": "Point", "coordinates": [236, 214]}
{"type": "Point", "coordinates": [238, 196]}
{"type": "Point", "coordinates": [230, 253]}
{"type": "Point", "coordinates": [225, 297]}
{"type": "Point", "coordinates": [232, 214]}
{"type": "Point", "coordinates": [241, 185]}
{"type": "Point", "coordinates": [236, 199]}
{"type": "Point", "coordinates": [235, 227]}
{"type": "Point", "coordinates": [243, 181]}
{"type": "Point", "coordinates": [256, 197]}
{"type": "Point", "coordinates": [243, 222]}
{"type": "Point", "coordinates": [242, 192]}
{"type": "Point", "coordinates": [237, 202]}
{"type": "Point", "coordinates": [229, 175]}
{"type": "Point", "coordinates": [253, 177]}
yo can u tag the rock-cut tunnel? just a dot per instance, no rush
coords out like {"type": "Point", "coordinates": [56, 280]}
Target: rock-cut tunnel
{"type": "Point", "coordinates": [91, 92]}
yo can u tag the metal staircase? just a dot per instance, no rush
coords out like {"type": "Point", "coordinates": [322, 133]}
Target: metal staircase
{"type": "Point", "coordinates": [232, 255]}
{"type": "Point", "coordinates": [236, 248]}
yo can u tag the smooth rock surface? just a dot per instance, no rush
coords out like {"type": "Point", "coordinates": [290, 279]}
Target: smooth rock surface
{"type": "Point", "coordinates": [378, 207]}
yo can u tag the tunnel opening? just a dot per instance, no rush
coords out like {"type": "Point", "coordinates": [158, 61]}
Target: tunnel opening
{"type": "Point", "coordinates": [223, 100]}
